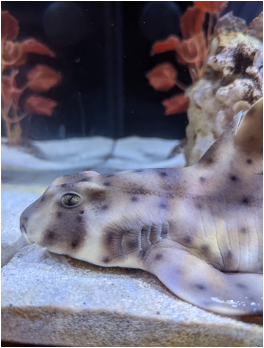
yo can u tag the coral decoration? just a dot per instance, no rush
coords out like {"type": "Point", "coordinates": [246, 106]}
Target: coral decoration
{"type": "Point", "coordinates": [255, 28]}
{"type": "Point", "coordinates": [192, 22]}
{"type": "Point", "coordinates": [42, 78]}
{"type": "Point", "coordinates": [162, 77]}
{"type": "Point", "coordinates": [176, 104]}
{"type": "Point", "coordinates": [39, 79]}
{"type": "Point", "coordinates": [192, 51]}
{"type": "Point", "coordinates": [9, 26]}
{"type": "Point", "coordinates": [33, 46]}
{"type": "Point", "coordinates": [170, 44]}
{"type": "Point", "coordinates": [40, 105]}
{"type": "Point", "coordinates": [212, 7]}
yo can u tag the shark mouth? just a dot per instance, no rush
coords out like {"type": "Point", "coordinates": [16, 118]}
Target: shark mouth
{"type": "Point", "coordinates": [24, 233]}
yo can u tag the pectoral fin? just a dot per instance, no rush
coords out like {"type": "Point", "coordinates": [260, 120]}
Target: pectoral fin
{"type": "Point", "coordinates": [197, 282]}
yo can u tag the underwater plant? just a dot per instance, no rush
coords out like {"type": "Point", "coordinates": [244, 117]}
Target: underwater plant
{"type": "Point", "coordinates": [191, 50]}
{"type": "Point", "coordinates": [40, 79]}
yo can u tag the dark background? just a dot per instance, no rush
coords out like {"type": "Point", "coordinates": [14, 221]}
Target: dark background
{"type": "Point", "coordinates": [103, 53]}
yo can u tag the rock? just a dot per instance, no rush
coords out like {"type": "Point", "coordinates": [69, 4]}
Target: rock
{"type": "Point", "coordinates": [60, 154]}
{"type": "Point", "coordinates": [77, 154]}
{"type": "Point", "coordinates": [137, 152]}
{"type": "Point", "coordinates": [232, 82]}
{"type": "Point", "coordinates": [143, 149]}
{"type": "Point", "coordinates": [256, 27]}
{"type": "Point", "coordinates": [50, 299]}
{"type": "Point", "coordinates": [229, 23]}
{"type": "Point", "coordinates": [14, 201]}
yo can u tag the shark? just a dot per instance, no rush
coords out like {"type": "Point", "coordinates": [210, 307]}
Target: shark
{"type": "Point", "coordinates": [198, 229]}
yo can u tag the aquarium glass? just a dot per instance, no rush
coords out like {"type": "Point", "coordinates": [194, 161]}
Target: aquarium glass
{"type": "Point", "coordinates": [76, 75]}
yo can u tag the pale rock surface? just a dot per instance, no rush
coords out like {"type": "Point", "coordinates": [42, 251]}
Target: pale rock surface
{"type": "Point", "coordinates": [232, 82]}
{"type": "Point", "coordinates": [60, 154]}
{"type": "Point", "coordinates": [49, 299]}
{"type": "Point", "coordinates": [13, 201]}
{"type": "Point", "coordinates": [136, 152]}
{"type": "Point", "coordinates": [86, 148]}
{"type": "Point", "coordinates": [143, 149]}
{"type": "Point", "coordinates": [89, 153]}
{"type": "Point", "coordinates": [256, 27]}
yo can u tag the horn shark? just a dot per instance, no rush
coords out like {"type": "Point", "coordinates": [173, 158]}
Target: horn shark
{"type": "Point", "coordinates": [198, 228]}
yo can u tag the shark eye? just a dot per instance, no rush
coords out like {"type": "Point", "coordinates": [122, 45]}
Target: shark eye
{"type": "Point", "coordinates": [70, 200]}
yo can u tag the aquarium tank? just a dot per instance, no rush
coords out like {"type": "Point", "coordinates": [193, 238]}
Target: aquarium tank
{"type": "Point", "coordinates": [106, 87]}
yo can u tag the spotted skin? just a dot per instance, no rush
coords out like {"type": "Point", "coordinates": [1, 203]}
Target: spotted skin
{"type": "Point", "coordinates": [198, 229]}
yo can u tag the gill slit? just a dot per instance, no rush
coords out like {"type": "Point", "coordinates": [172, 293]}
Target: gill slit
{"type": "Point", "coordinates": [122, 244]}
{"type": "Point", "coordinates": [149, 230]}
{"type": "Point", "coordinates": [139, 239]}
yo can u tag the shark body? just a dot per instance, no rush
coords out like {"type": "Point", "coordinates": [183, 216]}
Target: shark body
{"type": "Point", "coordinates": [198, 229]}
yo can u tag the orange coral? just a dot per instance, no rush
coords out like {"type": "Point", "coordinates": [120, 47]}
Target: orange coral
{"type": "Point", "coordinates": [40, 105]}
{"type": "Point", "coordinates": [10, 91]}
{"type": "Point", "coordinates": [212, 7]}
{"type": "Point", "coordinates": [192, 22]}
{"type": "Point", "coordinates": [162, 77]}
{"type": "Point", "coordinates": [170, 44]}
{"type": "Point", "coordinates": [9, 26]}
{"type": "Point", "coordinates": [175, 105]}
{"type": "Point", "coordinates": [40, 79]}
{"type": "Point", "coordinates": [191, 51]}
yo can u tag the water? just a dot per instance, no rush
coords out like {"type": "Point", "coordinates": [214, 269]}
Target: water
{"type": "Point", "coordinates": [81, 90]}
{"type": "Point", "coordinates": [100, 55]}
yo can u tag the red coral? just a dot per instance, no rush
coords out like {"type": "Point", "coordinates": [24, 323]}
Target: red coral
{"type": "Point", "coordinates": [162, 77]}
{"type": "Point", "coordinates": [15, 53]}
{"type": "Point", "coordinates": [176, 104]}
{"type": "Point", "coordinates": [170, 44]}
{"type": "Point", "coordinates": [40, 79]}
{"type": "Point", "coordinates": [9, 26]}
{"type": "Point", "coordinates": [10, 92]}
{"type": "Point", "coordinates": [40, 105]}
{"type": "Point", "coordinates": [212, 7]}
{"type": "Point", "coordinates": [11, 52]}
{"type": "Point", "coordinates": [33, 46]}
{"type": "Point", "coordinates": [192, 22]}
{"type": "Point", "coordinates": [191, 51]}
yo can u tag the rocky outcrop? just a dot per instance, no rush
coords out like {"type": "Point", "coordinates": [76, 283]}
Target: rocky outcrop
{"type": "Point", "coordinates": [232, 82]}
{"type": "Point", "coordinates": [53, 300]}
{"type": "Point", "coordinates": [14, 200]}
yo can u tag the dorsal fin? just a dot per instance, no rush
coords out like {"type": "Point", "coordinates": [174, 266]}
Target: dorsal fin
{"type": "Point", "coordinates": [240, 147]}
{"type": "Point", "coordinates": [249, 133]}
